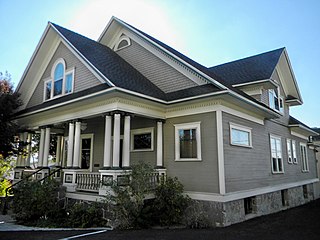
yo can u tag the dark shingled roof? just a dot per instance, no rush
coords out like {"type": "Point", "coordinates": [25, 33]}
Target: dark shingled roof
{"type": "Point", "coordinates": [250, 69]}
{"type": "Point", "coordinates": [294, 121]}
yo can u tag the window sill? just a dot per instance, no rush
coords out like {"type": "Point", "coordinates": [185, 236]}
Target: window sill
{"type": "Point", "coordinates": [277, 173]}
{"type": "Point", "coordinates": [239, 145]}
{"type": "Point", "coordinates": [188, 160]}
{"type": "Point", "coordinates": [142, 150]}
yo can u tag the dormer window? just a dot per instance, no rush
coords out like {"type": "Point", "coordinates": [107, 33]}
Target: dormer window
{"type": "Point", "coordinates": [275, 101]}
{"type": "Point", "coordinates": [61, 81]}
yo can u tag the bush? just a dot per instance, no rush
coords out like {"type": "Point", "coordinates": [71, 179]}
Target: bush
{"type": "Point", "coordinates": [170, 203]}
{"type": "Point", "coordinates": [196, 216]}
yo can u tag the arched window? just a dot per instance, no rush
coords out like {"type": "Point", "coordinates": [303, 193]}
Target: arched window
{"type": "Point", "coordinates": [61, 81]}
{"type": "Point", "coordinates": [123, 42]}
{"type": "Point", "coordinates": [58, 79]}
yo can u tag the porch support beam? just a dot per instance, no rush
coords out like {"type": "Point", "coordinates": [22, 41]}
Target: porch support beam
{"type": "Point", "coordinates": [46, 147]}
{"type": "Point", "coordinates": [159, 144]}
{"type": "Point", "coordinates": [107, 142]}
{"type": "Point", "coordinates": [70, 145]}
{"type": "Point", "coordinates": [41, 147]}
{"type": "Point", "coordinates": [126, 143]}
{"type": "Point", "coordinates": [77, 140]}
{"type": "Point", "coordinates": [58, 151]}
{"type": "Point", "coordinates": [116, 140]}
{"type": "Point", "coordinates": [29, 139]}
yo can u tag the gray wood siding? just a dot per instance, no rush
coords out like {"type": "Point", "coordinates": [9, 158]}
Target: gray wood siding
{"type": "Point", "coordinates": [199, 176]}
{"type": "Point", "coordinates": [157, 71]}
{"type": "Point", "coordinates": [250, 168]}
{"type": "Point", "coordinates": [83, 78]}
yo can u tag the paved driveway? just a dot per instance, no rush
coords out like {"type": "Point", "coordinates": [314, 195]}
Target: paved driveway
{"type": "Point", "coordinates": [295, 224]}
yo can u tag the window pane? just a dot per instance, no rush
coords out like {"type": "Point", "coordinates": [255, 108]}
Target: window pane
{"type": "Point", "coordinates": [57, 87]}
{"type": "Point", "coordinates": [142, 141]}
{"type": "Point", "coordinates": [188, 143]}
{"type": "Point", "coordinates": [48, 90]}
{"type": "Point", "coordinates": [68, 87]}
{"type": "Point", "coordinates": [58, 72]}
{"type": "Point", "coordinates": [240, 137]}
{"type": "Point", "coordinates": [85, 153]}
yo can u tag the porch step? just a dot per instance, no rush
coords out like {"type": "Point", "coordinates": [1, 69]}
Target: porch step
{"type": "Point", "coordinates": [85, 196]}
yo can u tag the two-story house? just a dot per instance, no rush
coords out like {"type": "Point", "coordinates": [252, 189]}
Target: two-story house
{"type": "Point", "coordinates": [224, 131]}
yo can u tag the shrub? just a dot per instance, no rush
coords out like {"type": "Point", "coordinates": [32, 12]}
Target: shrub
{"type": "Point", "coordinates": [170, 203]}
{"type": "Point", "coordinates": [196, 215]}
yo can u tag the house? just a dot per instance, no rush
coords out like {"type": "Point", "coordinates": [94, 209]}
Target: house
{"type": "Point", "coordinates": [224, 131]}
{"type": "Point", "coordinates": [316, 140]}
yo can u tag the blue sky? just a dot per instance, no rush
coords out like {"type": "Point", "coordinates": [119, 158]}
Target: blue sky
{"type": "Point", "coordinates": [210, 32]}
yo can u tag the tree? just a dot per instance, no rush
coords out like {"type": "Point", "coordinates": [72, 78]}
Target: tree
{"type": "Point", "coordinates": [9, 102]}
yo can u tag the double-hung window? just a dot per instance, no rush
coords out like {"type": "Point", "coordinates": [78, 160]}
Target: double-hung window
{"type": "Point", "coordinates": [61, 81]}
{"type": "Point", "coordinates": [294, 152]}
{"type": "Point", "coordinates": [275, 101]}
{"type": "Point", "coordinates": [240, 135]}
{"type": "Point", "coordinates": [304, 157]}
{"type": "Point", "coordinates": [188, 142]}
{"type": "Point", "coordinates": [276, 154]}
{"type": "Point", "coordinates": [289, 149]}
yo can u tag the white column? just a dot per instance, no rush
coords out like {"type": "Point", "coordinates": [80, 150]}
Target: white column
{"type": "Point", "coordinates": [58, 151]}
{"type": "Point", "coordinates": [29, 146]}
{"type": "Point", "coordinates": [126, 143]}
{"type": "Point", "coordinates": [41, 147]}
{"type": "Point", "coordinates": [116, 140]}
{"type": "Point", "coordinates": [46, 148]}
{"type": "Point", "coordinates": [77, 140]}
{"type": "Point", "coordinates": [70, 145]}
{"type": "Point", "coordinates": [20, 155]}
{"type": "Point", "coordinates": [107, 143]}
{"type": "Point", "coordinates": [159, 144]}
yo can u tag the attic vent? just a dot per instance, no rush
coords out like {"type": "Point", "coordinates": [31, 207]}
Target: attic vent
{"type": "Point", "coordinates": [123, 42]}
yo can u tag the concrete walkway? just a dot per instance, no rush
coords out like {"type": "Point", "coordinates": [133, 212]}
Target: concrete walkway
{"type": "Point", "coordinates": [7, 223]}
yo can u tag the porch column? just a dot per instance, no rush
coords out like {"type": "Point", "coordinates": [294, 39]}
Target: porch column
{"type": "Point", "coordinates": [41, 147]}
{"type": "Point", "coordinates": [29, 146]}
{"type": "Point", "coordinates": [116, 140]}
{"type": "Point", "coordinates": [159, 144]}
{"type": "Point", "coordinates": [126, 143]}
{"type": "Point", "coordinates": [46, 147]}
{"type": "Point", "coordinates": [107, 143]}
{"type": "Point", "coordinates": [77, 140]}
{"type": "Point", "coordinates": [58, 151]}
{"type": "Point", "coordinates": [70, 145]}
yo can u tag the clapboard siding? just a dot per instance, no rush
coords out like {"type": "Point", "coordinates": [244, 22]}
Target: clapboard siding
{"type": "Point", "coordinates": [83, 78]}
{"type": "Point", "coordinates": [250, 168]}
{"type": "Point", "coordinates": [200, 176]}
{"type": "Point", "coordinates": [157, 71]}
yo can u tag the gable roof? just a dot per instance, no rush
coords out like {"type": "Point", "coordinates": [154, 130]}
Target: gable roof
{"type": "Point", "coordinates": [295, 123]}
{"type": "Point", "coordinates": [250, 69]}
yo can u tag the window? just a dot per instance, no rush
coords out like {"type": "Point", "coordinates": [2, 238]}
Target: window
{"type": "Point", "coordinates": [61, 81]}
{"type": "Point", "coordinates": [142, 139]}
{"type": "Point", "coordinates": [294, 152]}
{"type": "Point", "coordinates": [187, 142]}
{"type": "Point", "coordinates": [240, 136]}
{"type": "Point", "coordinates": [304, 157]}
{"type": "Point", "coordinates": [285, 198]}
{"type": "Point", "coordinates": [275, 101]}
{"type": "Point", "coordinates": [123, 42]}
{"type": "Point", "coordinates": [86, 151]}
{"type": "Point", "coordinates": [276, 154]}
{"type": "Point", "coordinates": [289, 149]}
{"type": "Point", "coordinates": [250, 205]}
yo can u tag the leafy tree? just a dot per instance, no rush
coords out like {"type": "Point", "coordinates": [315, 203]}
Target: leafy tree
{"type": "Point", "coordinates": [9, 102]}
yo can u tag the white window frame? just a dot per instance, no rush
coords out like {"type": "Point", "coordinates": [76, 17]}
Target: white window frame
{"type": "Point", "coordinates": [237, 127]}
{"type": "Point", "coordinates": [289, 151]}
{"type": "Point", "coordinates": [294, 152]}
{"type": "Point", "coordinates": [87, 136]}
{"type": "Point", "coordinates": [272, 95]}
{"type": "Point", "coordinates": [138, 132]}
{"type": "Point", "coordinates": [278, 152]}
{"type": "Point", "coordinates": [304, 157]}
{"type": "Point", "coordinates": [51, 79]}
{"type": "Point", "coordinates": [186, 126]}
{"type": "Point", "coordinates": [122, 38]}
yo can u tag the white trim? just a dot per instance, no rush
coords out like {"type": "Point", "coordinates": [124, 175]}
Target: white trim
{"type": "Point", "coordinates": [294, 152]}
{"type": "Point", "coordinates": [255, 82]}
{"type": "Point", "coordinates": [234, 126]}
{"type": "Point", "coordinates": [205, 196]}
{"type": "Point", "coordinates": [69, 71]}
{"type": "Point", "coordinates": [293, 133]}
{"type": "Point", "coordinates": [122, 38]}
{"type": "Point", "coordinates": [304, 159]}
{"type": "Point", "coordinates": [187, 126]}
{"type": "Point", "coordinates": [289, 151]}
{"type": "Point", "coordinates": [222, 180]}
{"type": "Point", "coordinates": [85, 197]}
{"type": "Point", "coordinates": [142, 131]}
{"type": "Point", "coordinates": [87, 136]}
{"type": "Point", "coordinates": [276, 138]}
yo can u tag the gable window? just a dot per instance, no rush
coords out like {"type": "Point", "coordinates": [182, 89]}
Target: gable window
{"type": "Point", "coordinates": [275, 101]}
{"type": "Point", "coordinates": [61, 81]}
{"type": "Point", "coordinates": [188, 142]}
{"type": "Point", "coordinates": [289, 149]}
{"type": "Point", "coordinates": [276, 154]}
{"type": "Point", "coordinates": [142, 139]}
{"type": "Point", "coordinates": [240, 135]}
{"type": "Point", "coordinates": [123, 42]}
{"type": "Point", "coordinates": [304, 157]}
{"type": "Point", "coordinates": [294, 152]}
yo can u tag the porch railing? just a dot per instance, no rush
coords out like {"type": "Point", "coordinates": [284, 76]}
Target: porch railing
{"type": "Point", "coordinates": [88, 182]}
{"type": "Point", "coordinates": [155, 179]}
